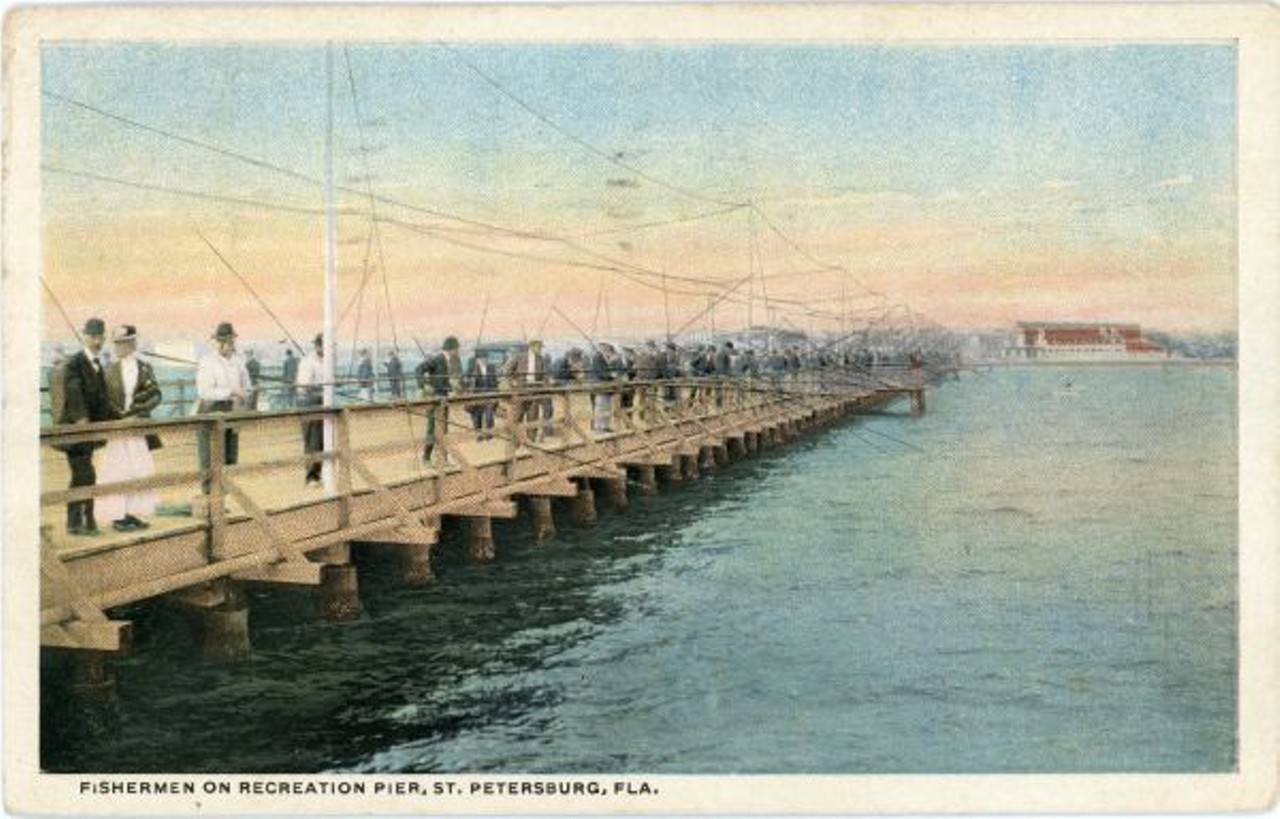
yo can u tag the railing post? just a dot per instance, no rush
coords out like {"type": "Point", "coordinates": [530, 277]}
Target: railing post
{"type": "Point", "coordinates": [515, 419]}
{"type": "Point", "coordinates": [566, 415]}
{"type": "Point", "coordinates": [215, 431]}
{"type": "Point", "coordinates": [344, 467]}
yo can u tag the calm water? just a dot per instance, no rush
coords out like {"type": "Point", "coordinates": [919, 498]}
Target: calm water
{"type": "Point", "coordinates": [1031, 578]}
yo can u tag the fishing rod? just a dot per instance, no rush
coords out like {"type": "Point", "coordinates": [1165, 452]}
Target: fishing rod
{"type": "Point", "coordinates": [575, 326]}
{"type": "Point", "coordinates": [484, 314]}
{"type": "Point", "coordinates": [262, 303]}
{"type": "Point", "coordinates": [712, 305]}
{"type": "Point", "coordinates": [62, 311]}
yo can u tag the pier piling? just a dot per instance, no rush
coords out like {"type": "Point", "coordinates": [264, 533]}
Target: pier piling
{"type": "Point", "coordinates": [416, 564]}
{"type": "Point", "coordinates": [544, 523]}
{"type": "Point", "coordinates": [480, 547]}
{"type": "Point", "coordinates": [917, 403]}
{"type": "Point", "coordinates": [226, 626]}
{"type": "Point", "coordinates": [339, 593]}
{"type": "Point", "coordinates": [689, 465]}
{"type": "Point", "coordinates": [583, 513]}
{"type": "Point", "coordinates": [617, 491]}
{"type": "Point", "coordinates": [647, 479]}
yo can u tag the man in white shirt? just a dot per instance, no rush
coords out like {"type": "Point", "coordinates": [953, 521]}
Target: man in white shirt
{"type": "Point", "coordinates": [222, 385]}
{"type": "Point", "coordinates": [310, 393]}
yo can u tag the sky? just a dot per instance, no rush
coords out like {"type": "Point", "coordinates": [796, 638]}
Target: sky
{"type": "Point", "coordinates": [600, 190]}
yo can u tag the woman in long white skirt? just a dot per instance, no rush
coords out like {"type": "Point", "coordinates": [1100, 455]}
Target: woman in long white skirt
{"type": "Point", "coordinates": [127, 459]}
{"type": "Point", "coordinates": [133, 392]}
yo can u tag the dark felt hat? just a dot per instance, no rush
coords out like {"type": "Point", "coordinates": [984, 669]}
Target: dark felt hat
{"type": "Point", "coordinates": [224, 331]}
{"type": "Point", "coordinates": [95, 327]}
{"type": "Point", "coordinates": [451, 343]}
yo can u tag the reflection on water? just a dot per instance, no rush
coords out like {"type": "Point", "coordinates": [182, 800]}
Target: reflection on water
{"type": "Point", "coordinates": [1020, 581]}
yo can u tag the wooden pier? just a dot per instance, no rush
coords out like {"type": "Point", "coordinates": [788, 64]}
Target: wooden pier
{"type": "Point", "coordinates": [259, 522]}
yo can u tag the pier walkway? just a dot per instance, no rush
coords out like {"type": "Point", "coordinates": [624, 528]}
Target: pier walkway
{"type": "Point", "coordinates": [259, 522]}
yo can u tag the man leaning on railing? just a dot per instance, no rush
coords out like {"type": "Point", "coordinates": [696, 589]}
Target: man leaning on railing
{"type": "Point", "coordinates": [222, 385]}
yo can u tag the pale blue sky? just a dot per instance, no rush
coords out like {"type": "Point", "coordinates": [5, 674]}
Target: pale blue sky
{"type": "Point", "coordinates": [1077, 146]}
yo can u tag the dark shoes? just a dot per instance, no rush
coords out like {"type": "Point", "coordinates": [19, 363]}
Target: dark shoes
{"type": "Point", "coordinates": [83, 530]}
{"type": "Point", "coordinates": [129, 523]}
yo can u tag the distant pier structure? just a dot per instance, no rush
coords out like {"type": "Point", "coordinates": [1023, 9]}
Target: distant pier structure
{"type": "Point", "coordinates": [259, 522]}
{"type": "Point", "coordinates": [1082, 341]}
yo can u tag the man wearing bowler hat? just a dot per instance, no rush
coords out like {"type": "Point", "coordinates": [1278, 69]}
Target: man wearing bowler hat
{"type": "Point", "coordinates": [81, 398]}
{"type": "Point", "coordinates": [222, 385]}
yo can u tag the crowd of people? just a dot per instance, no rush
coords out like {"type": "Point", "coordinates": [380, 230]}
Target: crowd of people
{"type": "Point", "coordinates": [86, 388]}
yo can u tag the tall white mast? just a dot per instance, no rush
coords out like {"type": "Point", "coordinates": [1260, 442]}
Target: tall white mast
{"type": "Point", "coordinates": [330, 276]}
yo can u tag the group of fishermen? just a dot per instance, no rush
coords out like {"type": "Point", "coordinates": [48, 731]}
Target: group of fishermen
{"type": "Point", "coordinates": [86, 388]}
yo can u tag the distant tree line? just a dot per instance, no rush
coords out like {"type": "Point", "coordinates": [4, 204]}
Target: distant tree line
{"type": "Point", "coordinates": [1197, 345]}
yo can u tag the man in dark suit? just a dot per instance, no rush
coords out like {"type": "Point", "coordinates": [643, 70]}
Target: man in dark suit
{"type": "Point", "coordinates": [83, 400]}
{"type": "Point", "coordinates": [482, 376]}
{"type": "Point", "coordinates": [527, 370]}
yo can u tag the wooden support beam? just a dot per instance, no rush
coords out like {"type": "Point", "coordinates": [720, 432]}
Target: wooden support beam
{"type": "Point", "coordinates": [107, 635]}
{"type": "Point", "coordinates": [563, 488]}
{"type": "Point", "coordinates": [205, 596]}
{"type": "Point", "coordinates": [647, 459]}
{"type": "Point", "coordinates": [600, 473]}
{"type": "Point", "coordinates": [505, 509]}
{"type": "Point", "coordinates": [404, 536]}
{"type": "Point", "coordinates": [288, 572]}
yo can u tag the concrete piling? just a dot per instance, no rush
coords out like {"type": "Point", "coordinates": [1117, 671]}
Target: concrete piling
{"type": "Point", "coordinates": [673, 472]}
{"type": "Point", "coordinates": [647, 479]}
{"type": "Point", "coordinates": [544, 523]}
{"type": "Point", "coordinates": [617, 491]}
{"type": "Point", "coordinates": [339, 593]}
{"type": "Point", "coordinates": [689, 465]}
{"type": "Point", "coordinates": [584, 506]}
{"type": "Point", "coordinates": [226, 627]}
{"type": "Point", "coordinates": [917, 403]}
{"type": "Point", "coordinates": [480, 546]}
{"type": "Point", "coordinates": [416, 564]}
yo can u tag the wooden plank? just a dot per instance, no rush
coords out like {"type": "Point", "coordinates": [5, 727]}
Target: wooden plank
{"type": "Point", "coordinates": [561, 488]}
{"type": "Point", "coordinates": [109, 635]}
{"type": "Point", "coordinates": [492, 509]}
{"type": "Point", "coordinates": [603, 473]}
{"type": "Point", "coordinates": [419, 536]}
{"type": "Point", "coordinates": [290, 572]}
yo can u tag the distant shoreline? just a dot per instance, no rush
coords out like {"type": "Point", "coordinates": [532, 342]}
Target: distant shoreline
{"type": "Point", "coordinates": [1164, 362]}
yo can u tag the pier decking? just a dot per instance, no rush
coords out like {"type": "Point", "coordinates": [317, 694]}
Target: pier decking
{"type": "Point", "coordinates": [259, 522]}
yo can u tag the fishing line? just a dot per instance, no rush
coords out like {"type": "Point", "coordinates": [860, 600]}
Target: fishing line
{"type": "Point", "coordinates": [261, 302]}
{"type": "Point", "coordinates": [549, 122]}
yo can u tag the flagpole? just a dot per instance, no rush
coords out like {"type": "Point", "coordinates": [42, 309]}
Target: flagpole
{"type": "Point", "coordinates": [330, 279]}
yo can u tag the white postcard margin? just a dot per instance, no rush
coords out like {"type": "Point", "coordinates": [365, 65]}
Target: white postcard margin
{"type": "Point", "coordinates": [1254, 27]}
